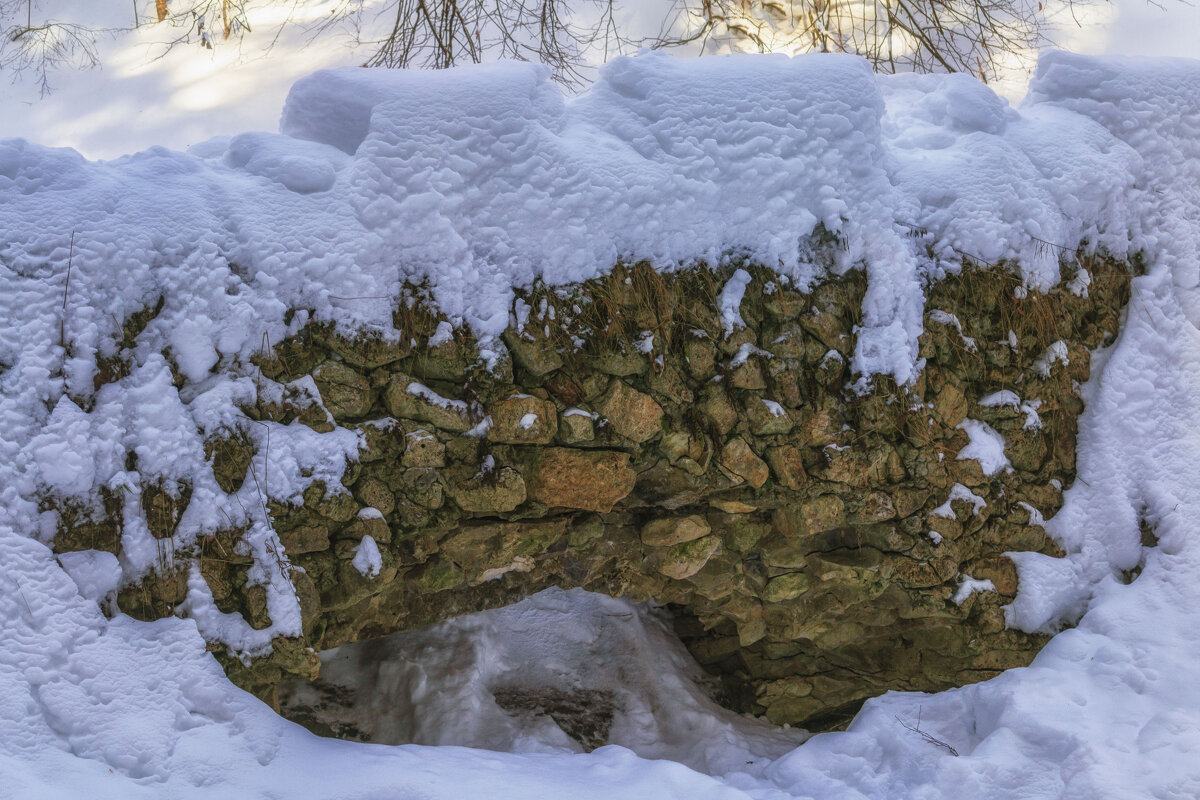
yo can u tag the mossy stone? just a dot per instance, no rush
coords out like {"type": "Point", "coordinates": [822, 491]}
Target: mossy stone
{"type": "Point", "coordinates": [345, 393]}
{"type": "Point", "coordinates": [408, 398]}
{"type": "Point", "coordinates": [495, 492]}
{"type": "Point", "coordinates": [786, 587]}
{"type": "Point", "coordinates": [634, 415]}
{"type": "Point", "coordinates": [684, 560]}
{"type": "Point", "coordinates": [522, 419]}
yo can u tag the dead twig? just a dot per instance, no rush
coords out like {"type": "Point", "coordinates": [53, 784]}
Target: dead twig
{"type": "Point", "coordinates": [927, 737]}
{"type": "Point", "coordinates": [62, 323]}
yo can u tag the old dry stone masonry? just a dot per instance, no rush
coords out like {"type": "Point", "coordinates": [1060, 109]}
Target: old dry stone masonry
{"type": "Point", "coordinates": [811, 541]}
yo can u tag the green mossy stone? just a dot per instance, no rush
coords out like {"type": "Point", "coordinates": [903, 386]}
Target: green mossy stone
{"type": "Point", "coordinates": [684, 560]}
{"type": "Point", "coordinates": [786, 587]}
{"type": "Point", "coordinates": [406, 397]}
{"type": "Point", "coordinates": [345, 393]}
{"type": "Point", "coordinates": [497, 492]}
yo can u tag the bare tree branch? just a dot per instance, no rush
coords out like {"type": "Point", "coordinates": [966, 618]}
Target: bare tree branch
{"type": "Point", "coordinates": [971, 36]}
{"type": "Point", "coordinates": [571, 36]}
{"type": "Point", "coordinates": [40, 47]}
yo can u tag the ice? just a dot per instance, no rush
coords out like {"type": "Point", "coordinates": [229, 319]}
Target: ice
{"type": "Point", "coordinates": [438, 685]}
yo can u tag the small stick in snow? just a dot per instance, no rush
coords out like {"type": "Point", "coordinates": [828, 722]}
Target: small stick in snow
{"type": "Point", "coordinates": [62, 323]}
{"type": "Point", "coordinates": [931, 739]}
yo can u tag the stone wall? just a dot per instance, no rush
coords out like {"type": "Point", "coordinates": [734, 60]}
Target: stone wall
{"type": "Point", "coordinates": [811, 540]}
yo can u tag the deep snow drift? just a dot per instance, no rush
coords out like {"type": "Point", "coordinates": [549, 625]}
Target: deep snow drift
{"type": "Point", "coordinates": [483, 179]}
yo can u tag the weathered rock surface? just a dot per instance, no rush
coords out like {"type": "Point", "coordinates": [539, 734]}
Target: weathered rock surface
{"type": "Point", "coordinates": [592, 480]}
{"type": "Point", "coordinates": [808, 538]}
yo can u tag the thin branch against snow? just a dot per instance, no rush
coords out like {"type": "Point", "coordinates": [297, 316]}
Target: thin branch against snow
{"type": "Point", "coordinates": [41, 48]}
{"type": "Point", "coordinates": [927, 737]}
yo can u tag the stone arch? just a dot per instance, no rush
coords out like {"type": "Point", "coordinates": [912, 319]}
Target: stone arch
{"type": "Point", "coordinates": [820, 546]}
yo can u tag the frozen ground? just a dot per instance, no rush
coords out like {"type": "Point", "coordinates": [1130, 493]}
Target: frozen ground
{"type": "Point", "coordinates": [483, 179]}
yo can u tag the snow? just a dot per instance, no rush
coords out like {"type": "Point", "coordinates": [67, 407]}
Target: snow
{"type": "Point", "coordinates": [474, 182]}
{"type": "Point", "coordinates": [97, 574]}
{"type": "Point", "coordinates": [984, 445]}
{"type": "Point", "coordinates": [480, 429]}
{"type": "Point", "coordinates": [1007, 397]}
{"type": "Point", "coordinates": [832, 356]}
{"type": "Point", "coordinates": [429, 395]}
{"type": "Point", "coordinates": [1078, 285]}
{"type": "Point", "coordinates": [1035, 516]}
{"type": "Point", "coordinates": [1004, 397]}
{"type": "Point", "coordinates": [968, 586]}
{"type": "Point", "coordinates": [959, 492]}
{"type": "Point", "coordinates": [527, 421]}
{"type": "Point", "coordinates": [1056, 353]}
{"type": "Point", "coordinates": [486, 466]}
{"type": "Point", "coordinates": [443, 334]}
{"type": "Point", "coordinates": [773, 408]}
{"type": "Point", "coordinates": [946, 318]}
{"type": "Point", "coordinates": [729, 301]}
{"type": "Point", "coordinates": [63, 451]}
{"type": "Point", "coordinates": [745, 351]}
{"type": "Point", "coordinates": [367, 559]}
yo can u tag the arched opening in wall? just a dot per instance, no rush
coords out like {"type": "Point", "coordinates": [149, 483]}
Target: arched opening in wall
{"type": "Point", "coordinates": [818, 542]}
{"type": "Point", "coordinates": [559, 671]}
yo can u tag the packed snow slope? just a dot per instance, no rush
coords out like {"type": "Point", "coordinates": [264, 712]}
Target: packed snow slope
{"type": "Point", "coordinates": [479, 180]}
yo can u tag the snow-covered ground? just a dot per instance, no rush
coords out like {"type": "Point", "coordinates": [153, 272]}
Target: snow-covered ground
{"type": "Point", "coordinates": [145, 94]}
{"type": "Point", "coordinates": [482, 179]}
